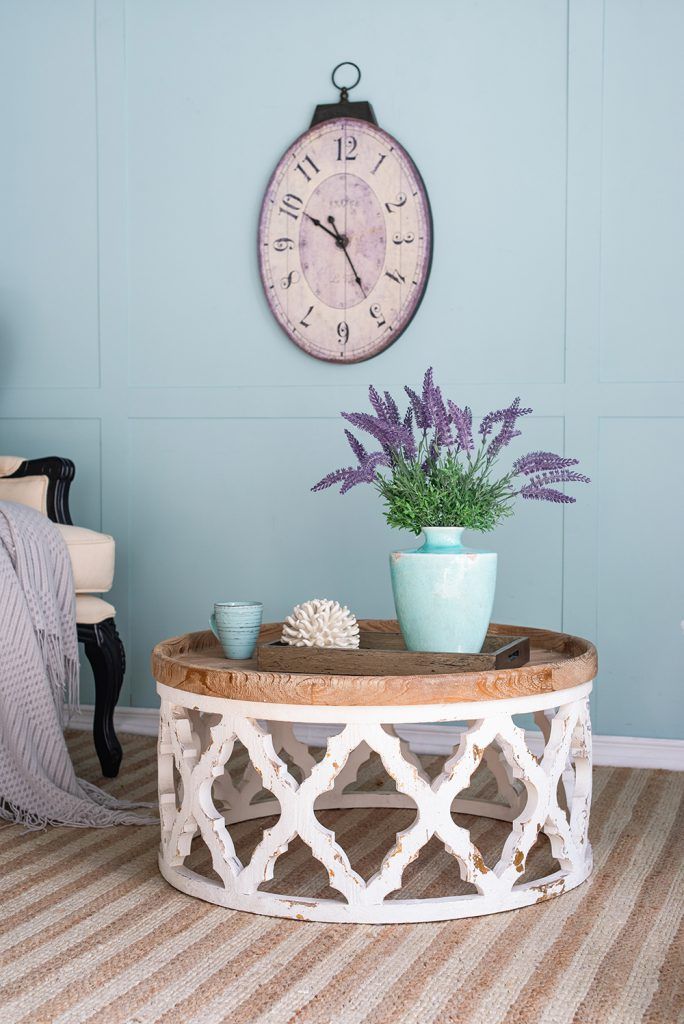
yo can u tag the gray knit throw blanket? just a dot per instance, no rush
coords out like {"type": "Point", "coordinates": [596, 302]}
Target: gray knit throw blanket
{"type": "Point", "coordinates": [38, 673]}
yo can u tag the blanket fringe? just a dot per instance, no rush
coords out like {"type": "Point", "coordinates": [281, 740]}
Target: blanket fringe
{"type": "Point", "coordinates": [118, 812]}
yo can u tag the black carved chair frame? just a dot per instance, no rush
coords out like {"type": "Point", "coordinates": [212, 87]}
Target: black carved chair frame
{"type": "Point", "coordinates": [101, 641]}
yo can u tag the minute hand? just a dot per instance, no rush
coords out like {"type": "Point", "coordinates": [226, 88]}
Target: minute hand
{"type": "Point", "coordinates": [342, 242]}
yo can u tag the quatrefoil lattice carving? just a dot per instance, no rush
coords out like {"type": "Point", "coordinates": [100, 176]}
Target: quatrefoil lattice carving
{"type": "Point", "coordinates": [195, 749]}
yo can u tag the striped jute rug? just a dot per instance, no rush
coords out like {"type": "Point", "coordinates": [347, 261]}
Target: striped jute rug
{"type": "Point", "coordinates": [89, 931]}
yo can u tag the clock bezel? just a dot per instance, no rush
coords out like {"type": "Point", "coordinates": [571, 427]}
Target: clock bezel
{"type": "Point", "coordinates": [394, 336]}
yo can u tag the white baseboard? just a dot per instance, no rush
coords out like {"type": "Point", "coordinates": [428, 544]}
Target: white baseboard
{"type": "Point", "coordinates": [139, 721]}
{"type": "Point", "coordinates": [616, 751]}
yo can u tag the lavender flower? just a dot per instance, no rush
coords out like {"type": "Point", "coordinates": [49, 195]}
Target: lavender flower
{"type": "Point", "coordinates": [440, 418]}
{"type": "Point", "coordinates": [349, 477]}
{"type": "Point", "coordinates": [442, 469]}
{"type": "Point", "coordinates": [419, 406]}
{"type": "Point", "coordinates": [533, 493]}
{"type": "Point", "coordinates": [335, 477]}
{"type": "Point", "coordinates": [560, 476]}
{"type": "Point", "coordinates": [364, 474]}
{"type": "Point", "coordinates": [508, 419]}
{"type": "Point", "coordinates": [536, 462]}
{"type": "Point", "coordinates": [377, 428]}
{"type": "Point", "coordinates": [377, 403]}
{"type": "Point", "coordinates": [392, 409]}
{"type": "Point", "coordinates": [356, 446]}
{"type": "Point", "coordinates": [462, 420]}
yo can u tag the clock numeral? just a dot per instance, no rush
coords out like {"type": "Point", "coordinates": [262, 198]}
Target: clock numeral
{"type": "Point", "coordinates": [350, 143]}
{"type": "Point", "coordinates": [312, 167]}
{"type": "Point", "coordinates": [292, 278]}
{"type": "Point", "coordinates": [382, 157]}
{"type": "Point", "coordinates": [395, 276]}
{"type": "Point", "coordinates": [306, 317]}
{"type": "Point", "coordinates": [291, 205]}
{"type": "Point", "coordinates": [281, 244]}
{"type": "Point", "coordinates": [408, 238]}
{"type": "Point", "coordinates": [400, 201]}
{"type": "Point", "coordinates": [343, 334]}
{"type": "Point", "coordinates": [376, 312]}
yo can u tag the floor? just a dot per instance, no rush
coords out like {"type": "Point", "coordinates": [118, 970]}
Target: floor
{"type": "Point", "coordinates": [89, 931]}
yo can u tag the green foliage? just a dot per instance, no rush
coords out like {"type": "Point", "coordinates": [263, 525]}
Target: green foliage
{"type": "Point", "coordinates": [444, 492]}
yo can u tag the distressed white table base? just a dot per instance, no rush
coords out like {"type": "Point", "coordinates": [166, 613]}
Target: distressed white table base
{"type": "Point", "coordinates": [196, 740]}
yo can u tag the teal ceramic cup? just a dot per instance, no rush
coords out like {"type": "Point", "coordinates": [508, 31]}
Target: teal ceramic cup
{"type": "Point", "coordinates": [236, 625]}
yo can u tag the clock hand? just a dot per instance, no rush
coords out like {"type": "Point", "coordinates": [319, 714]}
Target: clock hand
{"type": "Point", "coordinates": [319, 225]}
{"type": "Point", "coordinates": [343, 242]}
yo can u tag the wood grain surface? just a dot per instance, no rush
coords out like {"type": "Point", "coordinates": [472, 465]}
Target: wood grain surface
{"type": "Point", "coordinates": [195, 662]}
{"type": "Point", "coordinates": [385, 654]}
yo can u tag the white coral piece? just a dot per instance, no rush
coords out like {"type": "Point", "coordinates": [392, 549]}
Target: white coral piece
{"type": "Point", "coordinates": [320, 623]}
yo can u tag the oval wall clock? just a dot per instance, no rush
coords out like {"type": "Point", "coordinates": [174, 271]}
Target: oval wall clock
{"type": "Point", "coordinates": [345, 235]}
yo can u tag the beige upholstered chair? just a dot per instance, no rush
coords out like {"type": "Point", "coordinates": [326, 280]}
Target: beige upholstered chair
{"type": "Point", "coordinates": [44, 485]}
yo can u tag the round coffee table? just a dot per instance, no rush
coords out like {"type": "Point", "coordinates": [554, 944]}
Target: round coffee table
{"type": "Point", "coordinates": [208, 703]}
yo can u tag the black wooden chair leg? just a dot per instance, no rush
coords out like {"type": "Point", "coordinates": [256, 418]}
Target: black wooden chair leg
{"type": "Point", "coordinates": [106, 655]}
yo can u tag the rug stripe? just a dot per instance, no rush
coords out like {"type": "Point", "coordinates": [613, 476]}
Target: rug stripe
{"type": "Point", "coordinates": [324, 973]}
{"type": "Point", "coordinates": [118, 968]}
{"type": "Point", "coordinates": [546, 988]}
{"type": "Point", "coordinates": [631, 858]}
{"type": "Point", "coordinates": [63, 896]}
{"type": "Point", "coordinates": [667, 1003]}
{"type": "Point", "coordinates": [110, 915]}
{"type": "Point", "coordinates": [446, 944]}
{"type": "Point", "coordinates": [175, 985]}
{"type": "Point", "coordinates": [196, 988]}
{"type": "Point", "coordinates": [604, 999]}
{"type": "Point", "coordinates": [374, 956]}
{"type": "Point", "coordinates": [493, 971]}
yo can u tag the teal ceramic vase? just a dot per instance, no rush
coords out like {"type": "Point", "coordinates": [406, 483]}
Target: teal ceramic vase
{"type": "Point", "coordinates": [443, 592]}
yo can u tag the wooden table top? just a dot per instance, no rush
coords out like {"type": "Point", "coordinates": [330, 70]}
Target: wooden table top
{"type": "Point", "coordinates": [194, 662]}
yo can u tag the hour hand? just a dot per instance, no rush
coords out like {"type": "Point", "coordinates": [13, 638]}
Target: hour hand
{"type": "Point", "coordinates": [318, 224]}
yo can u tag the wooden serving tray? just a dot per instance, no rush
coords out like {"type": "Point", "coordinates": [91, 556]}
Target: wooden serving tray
{"type": "Point", "coordinates": [385, 654]}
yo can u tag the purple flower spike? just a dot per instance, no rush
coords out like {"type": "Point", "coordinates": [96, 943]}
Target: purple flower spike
{"type": "Point", "coordinates": [533, 493]}
{"type": "Point", "coordinates": [462, 420]}
{"type": "Point", "coordinates": [364, 421]}
{"type": "Point", "coordinates": [410, 448]}
{"type": "Point", "coordinates": [428, 386]}
{"type": "Point", "coordinates": [376, 402]}
{"type": "Point", "coordinates": [440, 418]}
{"type": "Point", "coordinates": [332, 478]}
{"type": "Point", "coordinates": [508, 418]}
{"type": "Point", "coordinates": [356, 446]}
{"type": "Point", "coordinates": [365, 474]}
{"type": "Point", "coordinates": [420, 412]}
{"type": "Point", "coordinates": [537, 462]}
{"type": "Point", "coordinates": [560, 476]}
{"type": "Point", "coordinates": [392, 410]}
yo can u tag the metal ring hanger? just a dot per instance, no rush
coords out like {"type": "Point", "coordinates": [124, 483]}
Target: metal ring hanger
{"type": "Point", "coordinates": [346, 89]}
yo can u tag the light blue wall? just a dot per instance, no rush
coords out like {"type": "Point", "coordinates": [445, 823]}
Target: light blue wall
{"type": "Point", "coordinates": [137, 141]}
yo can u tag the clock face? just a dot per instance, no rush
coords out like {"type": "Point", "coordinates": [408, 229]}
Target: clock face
{"type": "Point", "coordinates": [345, 240]}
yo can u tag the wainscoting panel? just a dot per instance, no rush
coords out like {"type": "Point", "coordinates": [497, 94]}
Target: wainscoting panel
{"type": "Point", "coordinates": [640, 579]}
{"type": "Point", "coordinates": [48, 183]}
{"type": "Point", "coordinates": [134, 337]}
{"type": "Point", "coordinates": [642, 330]}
